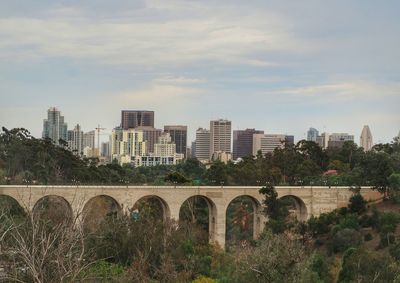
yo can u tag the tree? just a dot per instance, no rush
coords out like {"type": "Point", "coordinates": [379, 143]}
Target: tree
{"type": "Point", "coordinates": [48, 254]}
{"type": "Point", "coordinates": [357, 204]}
{"type": "Point", "coordinates": [275, 209]}
{"type": "Point", "coordinates": [176, 178]}
{"type": "Point", "coordinates": [269, 262]}
{"type": "Point", "coordinates": [394, 187]}
{"type": "Point", "coordinates": [360, 265]}
{"type": "Point", "coordinates": [217, 173]}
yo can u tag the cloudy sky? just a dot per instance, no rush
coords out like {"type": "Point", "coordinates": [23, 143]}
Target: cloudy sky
{"type": "Point", "coordinates": [279, 66]}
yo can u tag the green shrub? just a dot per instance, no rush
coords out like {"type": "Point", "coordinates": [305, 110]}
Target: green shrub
{"type": "Point", "coordinates": [360, 265]}
{"type": "Point", "coordinates": [349, 221]}
{"type": "Point", "coordinates": [368, 237]}
{"type": "Point", "coordinates": [394, 251]}
{"type": "Point", "coordinates": [387, 226]}
{"type": "Point", "coordinates": [104, 271]}
{"type": "Point", "coordinates": [365, 221]}
{"type": "Point", "coordinates": [357, 204]}
{"type": "Point", "coordinates": [345, 239]}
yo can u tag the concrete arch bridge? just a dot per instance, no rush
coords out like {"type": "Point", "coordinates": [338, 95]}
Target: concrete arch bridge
{"type": "Point", "coordinates": [307, 201]}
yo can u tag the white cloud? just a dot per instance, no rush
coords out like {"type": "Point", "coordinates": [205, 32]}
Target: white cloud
{"type": "Point", "coordinates": [341, 91]}
{"type": "Point", "coordinates": [201, 34]}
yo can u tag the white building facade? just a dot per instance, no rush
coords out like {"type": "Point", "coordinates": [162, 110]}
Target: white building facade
{"type": "Point", "coordinates": [366, 141]}
{"type": "Point", "coordinates": [126, 145]}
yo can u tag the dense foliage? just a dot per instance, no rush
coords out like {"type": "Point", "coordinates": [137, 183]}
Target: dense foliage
{"type": "Point", "coordinates": [358, 243]}
{"type": "Point", "coordinates": [25, 159]}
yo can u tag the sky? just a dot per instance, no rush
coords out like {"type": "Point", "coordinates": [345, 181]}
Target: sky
{"type": "Point", "coordinates": [278, 66]}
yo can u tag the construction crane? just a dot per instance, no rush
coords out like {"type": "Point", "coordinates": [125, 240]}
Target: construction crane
{"type": "Point", "coordinates": [98, 129]}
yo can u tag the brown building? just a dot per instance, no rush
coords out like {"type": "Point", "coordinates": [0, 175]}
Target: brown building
{"type": "Point", "coordinates": [150, 136]}
{"type": "Point", "coordinates": [136, 118]}
{"type": "Point", "coordinates": [178, 135]}
{"type": "Point", "coordinates": [243, 142]}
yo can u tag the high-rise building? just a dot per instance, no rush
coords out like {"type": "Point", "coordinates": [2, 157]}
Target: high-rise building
{"type": "Point", "coordinates": [312, 134]}
{"type": "Point", "coordinates": [338, 139]}
{"type": "Point", "coordinates": [105, 149]}
{"type": "Point", "coordinates": [243, 142]}
{"type": "Point", "coordinates": [135, 118]}
{"type": "Point", "coordinates": [268, 143]}
{"type": "Point", "coordinates": [75, 140]}
{"type": "Point", "coordinates": [54, 127]}
{"type": "Point", "coordinates": [89, 139]}
{"type": "Point", "coordinates": [127, 144]}
{"type": "Point", "coordinates": [178, 135]}
{"type": "Point", "coordinates": [193, 149]}
{"type": "Point", "coordinates": [366, 138]}
{"type": "Point", "coordinates": [323, 140]}
{"type": "Point", "coordinates": [289, 139]}
{"type": "Point", "coordinates": [202, 148]}
{"type": "Point", "coordinates": [150, 136]}
{"type": "Point", "coordinates": [220, 136]}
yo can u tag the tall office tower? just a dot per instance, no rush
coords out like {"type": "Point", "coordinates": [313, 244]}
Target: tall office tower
{"type": "Point", "coordinates": [178, 136]}
{"type": "Point", "coordinates": [54, 127]}
{"type": "Point", "coordinates": [243, 142]}
{"type": "Point", "coordinates": [202, 151]}
{"type": "Point", "coordinates": [135, 118]}
{"type": "Point", "coordinates": [164, 147]}
{"type": "Point", "coordinates": [193, 149]}
{"type": "Point", "coordinates": [323, 140]}
{"type": "Point", "coordinates": [150, 136]}
{"type": "Point", "coordinates": [338, 139]}
{"type": "Point", "coordinates": [75, 140]}
{"type": "Point", "coordinates": [312, 134]}
{"type": "Point", "coordinates": [105, 149]}
{"type": "Point", "coordinates": [268, 143]}
{"type": "Point", "coordinates": [89, 139]}
{"type": "Point", "coordinates": [366, 138]}
{"type": "Point", "coordinates": [220, 136]}
{"type": "Point", "coordinates": [126, 144]}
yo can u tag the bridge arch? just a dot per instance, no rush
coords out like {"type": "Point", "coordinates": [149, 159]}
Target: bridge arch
{"type": "Point", "coordinates": [154, 201]}
{"type": "Point", "coordinates": [297, 207]}
{"type": "Point", "coordinates": [53, 208]}
{"type": "Point", "coordinates": [97, 208]}
{"type": "Point", "coordinates": [192, 204]}
{"type": "Point", "coordinates": [11, 205]}
{"type": "Point", "coordinates": [243, 212]}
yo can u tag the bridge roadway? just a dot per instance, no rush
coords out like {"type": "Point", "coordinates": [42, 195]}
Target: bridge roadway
{"type": "Point", "coordinates": [308, 200]}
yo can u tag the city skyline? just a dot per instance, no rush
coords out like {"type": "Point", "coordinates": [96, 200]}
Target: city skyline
{"type": "Point", "coordinates": [273, 65]}
{"type": "Point", "coordinates": [104, 137]}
